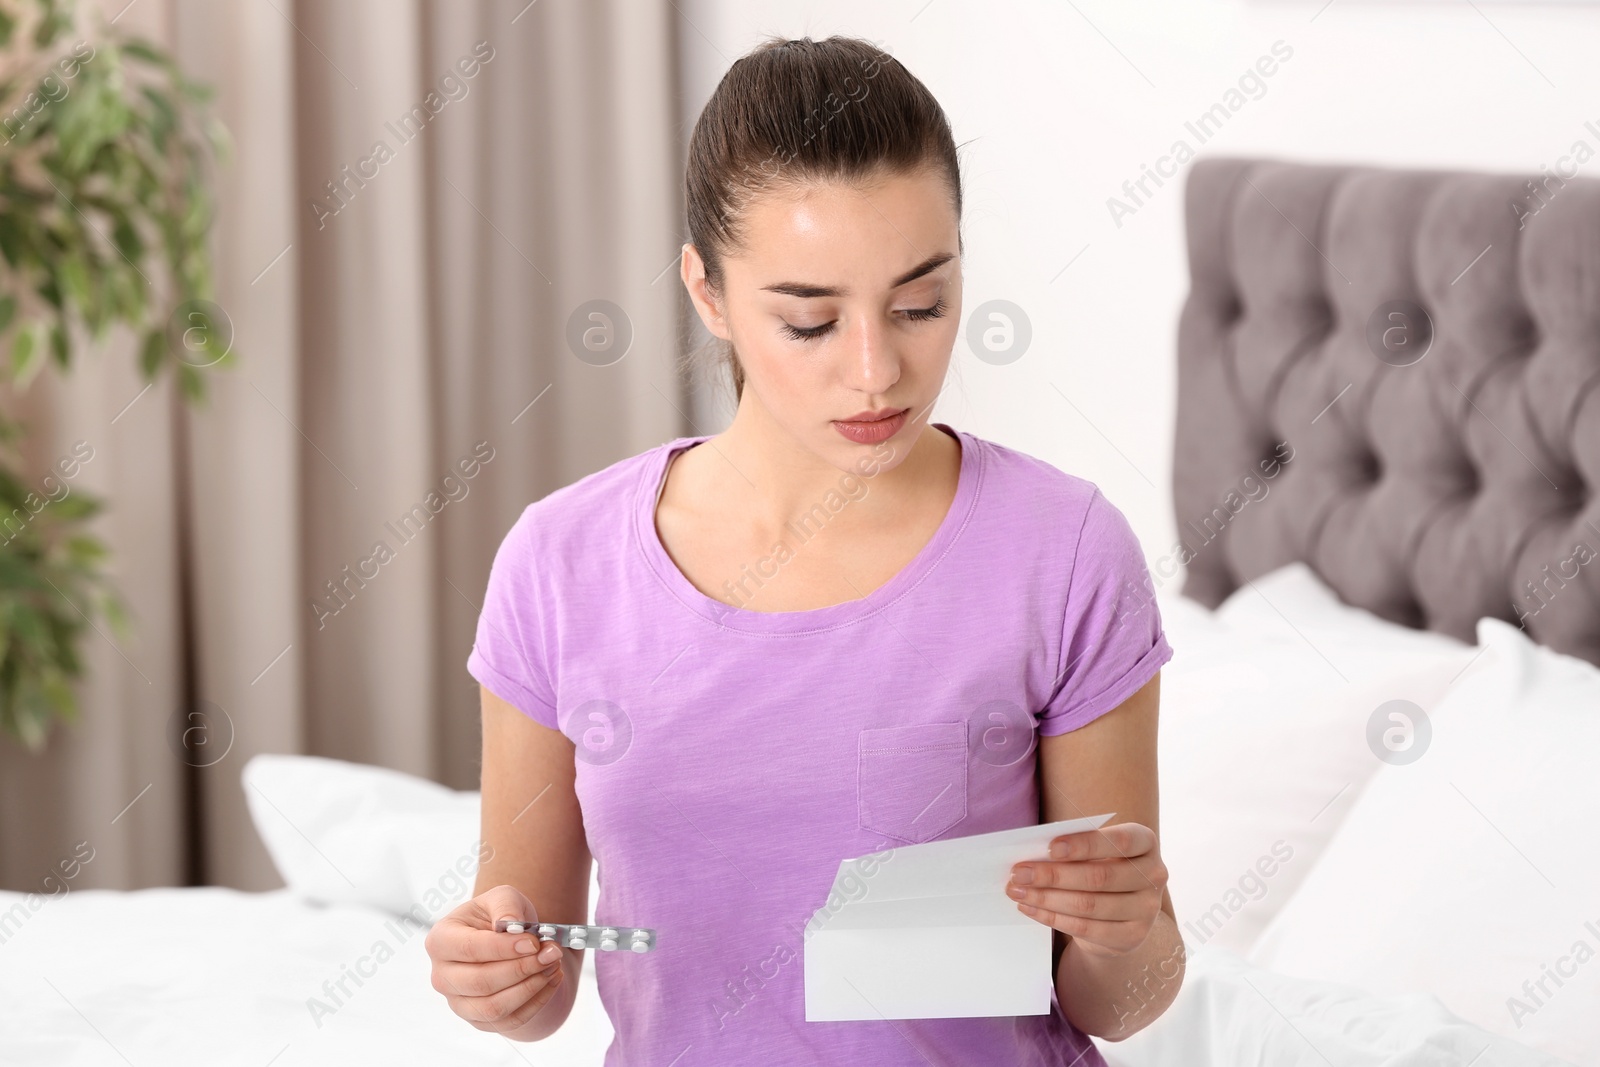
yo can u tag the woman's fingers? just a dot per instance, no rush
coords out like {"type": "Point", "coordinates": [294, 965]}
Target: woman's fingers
{"type": "Point", "coordinates": [1109, 907]}
{"type": "Point", "coordinates": [463, 979]}
{"type": "Point", "coordinates": [455, 941]}
{"type": "Point", "coordinates": [1098, 876]}
{"type": "Point", "coordinates": [510, 1008]}
{"type": "Point", "coordinates": [495, 980]}
{"type": "Point", "coordinates": [1116, 936]}
{"type": "Point", "coordinates": [467, 935]}
{"type": "Point", "coordinates": [1123, 840]}
{"type": "Point", "coordinates": [503, 902]}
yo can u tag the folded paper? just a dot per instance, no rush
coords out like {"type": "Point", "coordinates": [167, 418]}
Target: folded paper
{"type": "Point", "coordinates": [927, 932]}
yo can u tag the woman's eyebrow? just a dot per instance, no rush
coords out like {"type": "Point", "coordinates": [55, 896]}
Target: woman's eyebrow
{"type": "Point", "coordinates": [933, 262]}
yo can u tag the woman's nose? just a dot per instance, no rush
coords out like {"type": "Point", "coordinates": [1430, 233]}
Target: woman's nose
{"type": "Point", "coordinates": [874, 360]}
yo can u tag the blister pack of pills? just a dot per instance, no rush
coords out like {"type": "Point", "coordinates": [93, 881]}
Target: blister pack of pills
{"type": "Point", "coordinates": [608, 938]}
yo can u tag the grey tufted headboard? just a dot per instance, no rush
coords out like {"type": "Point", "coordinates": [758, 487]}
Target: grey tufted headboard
{"type": "Point", "coordinates": [1431, 491]}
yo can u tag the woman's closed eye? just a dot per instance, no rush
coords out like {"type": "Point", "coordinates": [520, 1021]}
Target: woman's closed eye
{"type": "Point", "coordinates": [814, 333]}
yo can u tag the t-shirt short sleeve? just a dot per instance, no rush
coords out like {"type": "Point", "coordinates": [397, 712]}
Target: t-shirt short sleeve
{"type": "Point", "coordinates": [508, 653]}
{"type": "Point", "coordinates": [1112, 638]}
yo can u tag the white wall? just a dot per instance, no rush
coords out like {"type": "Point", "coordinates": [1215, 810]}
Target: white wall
{"type": "Point", "coordinates": [1061, 102]}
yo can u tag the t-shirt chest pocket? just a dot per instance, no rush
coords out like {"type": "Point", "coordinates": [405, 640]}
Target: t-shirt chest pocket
{"type": "Point", "coordinates": [911, 781]}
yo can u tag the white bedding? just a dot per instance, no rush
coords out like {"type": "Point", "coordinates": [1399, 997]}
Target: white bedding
{"type": "Point", "coordinates": [1232, 1014]}
{"type": "Point", "coordinates": [181, 977]}
{"type": "Point", "coordinates": [219, 978]}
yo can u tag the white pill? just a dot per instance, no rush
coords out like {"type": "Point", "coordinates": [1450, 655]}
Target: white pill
{"type": "Point", "coordinates": [515, 928]}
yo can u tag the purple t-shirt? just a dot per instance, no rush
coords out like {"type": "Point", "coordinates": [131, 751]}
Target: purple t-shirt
{"type": "Point", "coordinates": [727, 759]}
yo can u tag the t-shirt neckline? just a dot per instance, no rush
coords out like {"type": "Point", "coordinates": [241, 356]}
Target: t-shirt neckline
{"type": "Point", "coordinates": [790, 622]}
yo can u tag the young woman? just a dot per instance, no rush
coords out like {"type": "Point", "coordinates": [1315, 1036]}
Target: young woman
{"type": "Point", "coordinates": [722, 666]}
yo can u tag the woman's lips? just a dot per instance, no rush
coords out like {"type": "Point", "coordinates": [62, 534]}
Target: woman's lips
{"type": "Point", "coordinates": [870, 432]}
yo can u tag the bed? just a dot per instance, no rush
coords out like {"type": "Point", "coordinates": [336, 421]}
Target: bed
{"type": "Point", "coordinates": [1377, 731]}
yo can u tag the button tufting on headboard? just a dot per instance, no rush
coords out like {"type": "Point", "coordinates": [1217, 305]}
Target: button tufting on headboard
{"type": "Point", "coordinates": [1411, 370]}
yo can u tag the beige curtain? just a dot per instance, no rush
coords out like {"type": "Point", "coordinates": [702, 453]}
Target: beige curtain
{"type": "Point", "coordinates": [420, 327]}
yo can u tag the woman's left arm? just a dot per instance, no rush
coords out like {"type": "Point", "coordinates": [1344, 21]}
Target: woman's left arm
{"type": "Point", "coordinates": [1119, 956]}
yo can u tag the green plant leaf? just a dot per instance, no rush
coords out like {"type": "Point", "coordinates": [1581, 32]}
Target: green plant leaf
{"type": "Point", "coordinates": [126, 155]}
{"type": "Point", "coordinates": [127, 238]}
{"type": "Point", "coordinates": [60, 347]}
{"type": "Point", "coordinates": [76, 507]}
{"type": "Point", "coordinates": [24, 356]}
{"type": "Point", "coordinates": [27, 624]}
{"type": "Point", "coordinates": [74, 276]}
{"type": "Point", "coordinates": [58, 692]}
{"type": "Point", "coordinates": [144, 51]}
{"type": "Point", "coordinates": [196, 217]}
{"type": "Point", "coordinates": [53, 22]}
{"type": "Point", "coordinates": [193, 383]}
{"type": "Point", "coordinates": [164, 115]}
{"type": "Point", "coordinates": [50, 291]}
{"type": "Point", "coordinates": [17, 573]}
{"type": "Point", "coordinates": [116, 613]}
{"type": "Point", "coordinates": [154, 350]}
{"type": "Point", "coordinates": [11, 239]}
{"type": "Point", "coordinates": [86, 549]}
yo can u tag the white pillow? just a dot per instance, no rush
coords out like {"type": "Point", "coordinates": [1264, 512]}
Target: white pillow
{"type": "Point", "coordinates": [1472, 873]}
{"type": "Point", "coordinates": [352, 833]}
{"type": "Point", "coordinates": [1228, 1013]}
{"type": "Point", "coordinates": [1262, 741]}
{"type": "Point", "coordinates": [1296, 605]}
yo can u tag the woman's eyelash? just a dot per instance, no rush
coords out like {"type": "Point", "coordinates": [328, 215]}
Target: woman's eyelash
{"type": "Point", "coordinates": [815, 332]}
{"type": "Point", "coordinates": [812, 334]}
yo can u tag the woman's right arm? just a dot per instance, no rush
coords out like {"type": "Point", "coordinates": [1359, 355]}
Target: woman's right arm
{"type": "Point", "coordinates": [538, 855]}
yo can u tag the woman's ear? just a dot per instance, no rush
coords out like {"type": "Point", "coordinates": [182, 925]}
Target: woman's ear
{"type": "Point", "coordinates": [693, 271]}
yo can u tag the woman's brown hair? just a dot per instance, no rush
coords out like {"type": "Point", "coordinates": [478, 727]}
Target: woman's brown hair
{"type": "Point", "coordinates": [796, 111]}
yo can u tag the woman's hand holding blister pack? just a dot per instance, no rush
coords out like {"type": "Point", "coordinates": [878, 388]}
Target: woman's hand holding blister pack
{"type": "Point", "coordinates": [496, 981]}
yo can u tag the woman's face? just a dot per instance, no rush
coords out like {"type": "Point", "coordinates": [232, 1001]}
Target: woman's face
{"type": "Point", "coordinates": [845, 299]}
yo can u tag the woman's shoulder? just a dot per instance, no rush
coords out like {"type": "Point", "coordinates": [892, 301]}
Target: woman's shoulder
{"type": "Point", "coordinates": [1052, 496]}
{"type": "Point", "coordinates": [595, 506]}
{"type": "Point", "coordinates": [1076, 535]}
